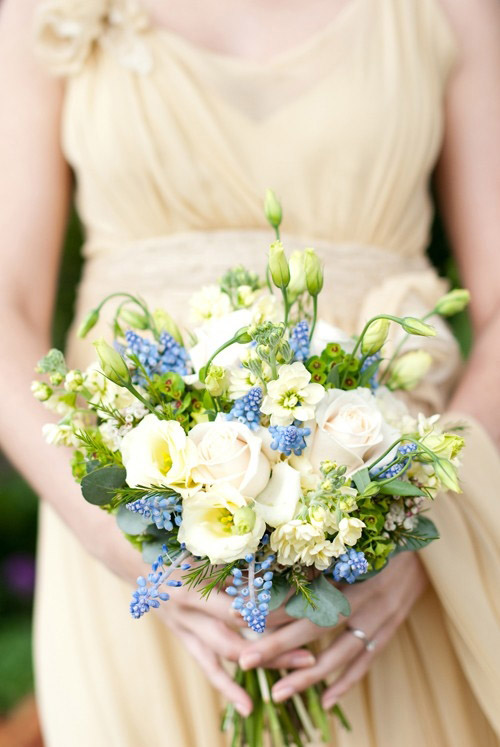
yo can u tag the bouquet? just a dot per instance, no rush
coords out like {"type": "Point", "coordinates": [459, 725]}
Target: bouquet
{"type": "Point", "coordinates": [266, 455]}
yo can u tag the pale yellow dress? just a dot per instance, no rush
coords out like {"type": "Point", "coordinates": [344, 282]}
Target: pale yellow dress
{"type": "Point", "coordinates": [173, 147]}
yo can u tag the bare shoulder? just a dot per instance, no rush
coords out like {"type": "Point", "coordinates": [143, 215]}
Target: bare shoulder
{"type": "Point", "coordinates": [476, 24]}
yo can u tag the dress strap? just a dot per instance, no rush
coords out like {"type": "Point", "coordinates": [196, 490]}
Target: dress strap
{"type": "Point", "coordinates": [68, 32]}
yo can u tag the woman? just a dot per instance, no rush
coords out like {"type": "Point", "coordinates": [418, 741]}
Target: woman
{"type": "Point", "coordinates": [174, 118]}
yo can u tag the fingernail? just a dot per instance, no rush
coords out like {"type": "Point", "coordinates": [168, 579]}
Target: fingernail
{"type": "Point", "coordinates": [243, 709]}
{"type": "Point", "coordinates": [281, 693]}
{"type": "Point", "coordinates": [250, 660]}
{"type": "Point", "coordinates": [303, 660]}
{"type": "Point", "coordinates": [329, 701]}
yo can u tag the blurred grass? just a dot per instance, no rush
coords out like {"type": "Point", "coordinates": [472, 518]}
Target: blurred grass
{"type": "Point", "coordinates": [18, 505]}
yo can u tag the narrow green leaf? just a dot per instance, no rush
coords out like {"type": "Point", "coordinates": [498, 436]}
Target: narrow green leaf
{"type": "Point", "coordinates": [330, 603]}
{"type": "Point", "coordinates": [99, 486]}
{"type": "Point", "coordinates": [400, 487]}
{"type": "Point", "coordinates": [361, 479]}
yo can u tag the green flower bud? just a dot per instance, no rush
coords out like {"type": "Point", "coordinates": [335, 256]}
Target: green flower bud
{"type": "Point", "coordinates": [216, 381]}
{"type": "Point", "coordinates": [278, 265]}
{"type": "Point", "coordinates": [314, 272]}
{"type": "Point", "coordinates": [90, 321]}
{"type": "Point", "coordinates": [272, 209]}
{"type": "Point", "coordinates": [41, 391]}
{"type": "Point", "coordinates": [165, 323]}
{"type": "Point", "coordinates": [417, 327]}
{"type": "Point", "coordinates": [447, 475]}
{"type": "Point", "coordinates": [375, 336]}
{"type": "Point", "coordinates": [244, 520]}
{"type": "Point", "coordinates": [56, 378]}
{"type": "Point", "coordinates": [134, 318]}
{"type": "Point", "coordinates": [444, 445]}
{"type": "Point", "coordinates": [243, 335]}
{"type": "Point", "coordinates": [408, 370]}
{"type": "Point", "coordinates": [112, 364]}
{"type": "Point", "coordinates": [453, 302]}
{"type": "Point", "coordinates": [297, 284]}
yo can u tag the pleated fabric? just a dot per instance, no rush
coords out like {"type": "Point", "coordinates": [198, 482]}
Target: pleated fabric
{"type": "Point", "coordinates": [172, 146]}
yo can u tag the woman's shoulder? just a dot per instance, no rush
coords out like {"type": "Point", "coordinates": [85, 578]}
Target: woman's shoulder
{"type": "Point", "coordinates": [67, 32]}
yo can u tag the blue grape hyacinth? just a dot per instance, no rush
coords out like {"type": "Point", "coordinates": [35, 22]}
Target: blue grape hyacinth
{"type": "Point", "coordinates": [349, 566]}
{"type": "Point", "coordinates": [148, 595]}
{"type": "Point", "coordinates": [163, 510]}
{"type": "Point", "coordinates": [289, 438]}
{"type": "Point", "coordinates": [156, 358]}
{"type": "Point", "coordinates": [252, 592]}
{"type": "Point", "coordinates": [366, 364]}
{"type": "Point", "coordinates": [299, 341]}
{"type": "Point", "coordinates": [378, 471]}
{"type": "Point", "coordinates": [246, 409]}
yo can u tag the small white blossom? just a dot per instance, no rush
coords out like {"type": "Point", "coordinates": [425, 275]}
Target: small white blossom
{"type": "Point", "coordinates": [300, 542]}
{"type": "Point", "coordinates": [209, 303]}
{"type": "Point", "coordinates": [291, 396]}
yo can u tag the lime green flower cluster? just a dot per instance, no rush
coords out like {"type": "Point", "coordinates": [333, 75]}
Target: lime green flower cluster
{"type": "Point", "coordinates": [333, 366]}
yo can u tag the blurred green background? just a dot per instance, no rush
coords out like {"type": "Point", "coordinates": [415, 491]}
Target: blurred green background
{"type": "Point", "coordinates": [18, 504]}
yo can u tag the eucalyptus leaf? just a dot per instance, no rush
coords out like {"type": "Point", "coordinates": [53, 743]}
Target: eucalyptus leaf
{"type": "Point", "coordinates": [279, 592]}
{"type": "Point", "coordinates": [99, 486]}
{"type": "Point", "coordinates": [361, 479]}
{"type": "Point", "coordinates": [415, 539]}
{"type": "Point", "coordinates": [329, 601]}
{"type": "Point", "coordinates": [400, 487]}
{"type": "Point", "coordinates": [151, 550]}
{"type": "Point", "coordinates": [130, 522]}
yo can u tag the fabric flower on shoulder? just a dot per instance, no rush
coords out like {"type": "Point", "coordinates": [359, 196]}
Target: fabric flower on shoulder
{"type": "Point", "coordinates": [66, 32]}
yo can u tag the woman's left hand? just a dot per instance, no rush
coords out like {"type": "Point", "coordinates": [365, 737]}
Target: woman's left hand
{"type": "Point", "coordinates": [378, 607]}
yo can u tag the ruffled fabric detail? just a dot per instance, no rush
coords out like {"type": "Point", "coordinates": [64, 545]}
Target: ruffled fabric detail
{"type": "Point", "coordinates": [67, 31]}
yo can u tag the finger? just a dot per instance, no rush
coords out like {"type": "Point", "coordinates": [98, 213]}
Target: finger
{"type": "Point", "coordinates": [358, 668]}
{"type": "Point", "coordinates": [216, 674]}
{"type": "Point", "coordinates": [338, 655]}
{"type": "Point", "coordinates": [281, 641]}
{"type": "Point", "coordinates": [298, 659]}
{"type": "Point", "coordinates": [216, 634]}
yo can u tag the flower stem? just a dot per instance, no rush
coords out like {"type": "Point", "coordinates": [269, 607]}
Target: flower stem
{"type": "Point", "coordinates": [315, 317]}
{"type": "Point", "coordinates": [359, 341]}
{"type": "Point", "coordinates": [399, 348]}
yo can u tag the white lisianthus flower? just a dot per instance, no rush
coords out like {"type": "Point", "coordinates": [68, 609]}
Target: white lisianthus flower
{"type": "Point", "coordinates": [291, 396]}
{"type": "Point", "coordinates": [221, 524]}
{"type": "Point", "coordinates": [298, 541]}
{"type": "Point", "coordinates": [277, 503]}
{"type": "Point", "coordinates": [228, 452]}
{"type": "Point", "coordinates": [103, 390]}
{"type": "Point", "coordinates": [325, 333]}
{"type": "Point", "coordinates": [208, 303]}
{"type": "Point", "coordinates": [158, 452]}
{"type": "Point", "coordinates": [266, 309]}
{"type": "Point", "coordinates": [351, 430]}
{"type": "Point", "coordinates": [215, 333]}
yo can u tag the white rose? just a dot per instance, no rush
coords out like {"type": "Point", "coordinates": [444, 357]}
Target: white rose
{"type": "Point", "coordinates": [215, 333]}
{"type": "Point", "coordinates": [325, 333]}
{"type": "Point", "coordinates": [277, 504]}
{"type": "Point", "coordinates": [229, 452]}
{"type": "Point", "coordinates": [158, 452]}
{"type": "Point", "coordinates": [350, 430]}
{"type": "Point", "coordinates": [211, 525]}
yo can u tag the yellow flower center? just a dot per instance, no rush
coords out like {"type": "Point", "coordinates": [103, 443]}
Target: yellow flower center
{"type": "Point", "coordinates": [162, 458]}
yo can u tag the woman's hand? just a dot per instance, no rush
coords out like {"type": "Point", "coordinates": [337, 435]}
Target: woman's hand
{"type": "Point", "coordinates": [207, 629]}
{"type": "Point", "coordinates": [378, 607]}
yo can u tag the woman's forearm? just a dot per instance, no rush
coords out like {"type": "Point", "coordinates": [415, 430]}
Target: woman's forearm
{"type": "Point", "coordinates": [478, 392]}
{"type": "Point", "coordinates": [45, 467]}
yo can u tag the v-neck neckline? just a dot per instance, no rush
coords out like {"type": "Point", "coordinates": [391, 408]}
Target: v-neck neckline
{"type": "Point", "coordinates": [280, 60]}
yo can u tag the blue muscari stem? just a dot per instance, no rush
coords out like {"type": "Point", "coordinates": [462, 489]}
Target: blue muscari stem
{"type": "Point", "coordinates": [349, 566]}
{"type": "Point", "coordinates": [378, 470]}
{"type": "Point", "coordinates": [299, 341]}
{"type": "Point", "coordinates": [252, 594]}
{"type": "Point", "coordinates": [148, 594]}
{"type": "Point", "coordinates": [159, 509]}
{"type": "Point", "coordinates": [288, 438]}
{"type": "Point", "coordinates": [246, 409]}
{"type": "Point", "coordinates": [374, 382]}
{"type": "Point", "coordinates": [157, 358]}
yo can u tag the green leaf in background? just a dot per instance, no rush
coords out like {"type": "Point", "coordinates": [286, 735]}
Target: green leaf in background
{"type": "Point", "coordinates": [279, 593]}
{"type": "Point", "coordinates": [424, 533]}
{"type": "Point", "coordinates": [361, 479]}
{"type": "Point", "coordinates": [98, 487]}
{"type": "Point", "coordinates": [400, 487]}
{"type": "Point", "coordinates": [151, 550]}
{"type": "Point", "coordinates": [330, 603]}
{"type": "Point", "coordinates": [130, 522]}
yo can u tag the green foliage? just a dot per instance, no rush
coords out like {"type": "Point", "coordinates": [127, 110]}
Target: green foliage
{"type": "Point", "coordinates": [99, 486]}
{"type": "Point", "coordinates": [92, 440]}
{"type": "Point", "coordinates": [279, 592]}
{"type": "Point", "coordinates": [16, 673]}
{"type": "Point", "coordinates": [131, 523]}
{"type": "Point", "coordinates": [53, 362]}
{"type": "Point", "coordinates": [208, 576]}
{"type": "Point", "coordinates": [400, 487]}
{"type": "Point", "coordinates": [329, 603]}
{"type": "Point", "coordinates": [415, 539]}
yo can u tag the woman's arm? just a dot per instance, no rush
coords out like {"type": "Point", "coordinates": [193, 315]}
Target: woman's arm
{"type": "Point", "coordinates": [469, 192]}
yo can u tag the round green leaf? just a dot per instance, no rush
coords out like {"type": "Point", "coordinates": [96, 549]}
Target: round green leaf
{"type": "Point", "coordinates": [99, 486]}
{"type": "Point", "coordinates": [130, 522]}
{"type": "Point", "coordinates": [329, 603]}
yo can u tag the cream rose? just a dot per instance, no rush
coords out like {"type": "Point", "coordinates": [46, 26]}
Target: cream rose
{"type": "Point", "coordinates": [350, 430]}
{"type": "Point", "coordinates": [228, 452]}
{"type": "Point", "coordinates": [158, 452]}
{"type": "Point", "coordinates": [221, 524]}
{"type": "Point", "coordinates": [215, 333]}
{"type": "Point", "coordinates": [277, 504]}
